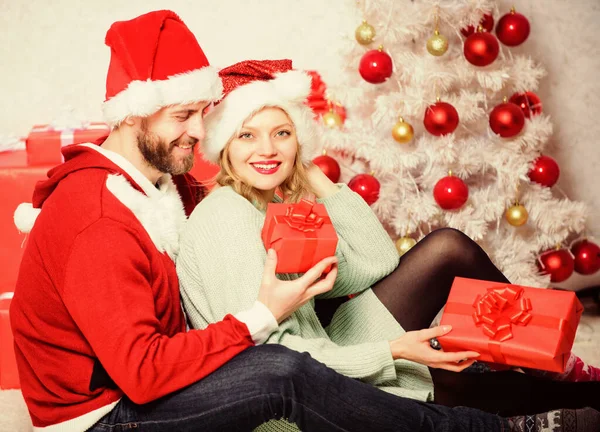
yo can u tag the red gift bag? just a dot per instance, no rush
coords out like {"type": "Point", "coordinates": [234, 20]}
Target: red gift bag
{"type": "Point", "coordinates": [302, 235]}
{"type": "Point", "coordinates": [511, 324]}
{"type": "Point", "coordinates": [9, 377]}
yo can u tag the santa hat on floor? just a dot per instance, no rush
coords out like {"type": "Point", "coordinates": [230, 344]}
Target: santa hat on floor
{"type": "Point", "coordinates": [155, 61]}
{"type": "Point", "coordinates": [252, 85]}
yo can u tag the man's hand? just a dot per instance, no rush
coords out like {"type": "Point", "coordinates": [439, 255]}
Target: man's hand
{"type": "Point", "coordinates": [284, 297]}
{"type": "Point", "coordinates": [414, 346]}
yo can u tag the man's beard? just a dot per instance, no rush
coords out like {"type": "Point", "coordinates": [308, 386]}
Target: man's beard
{"type": "Point", "coordinates": [159, 155]}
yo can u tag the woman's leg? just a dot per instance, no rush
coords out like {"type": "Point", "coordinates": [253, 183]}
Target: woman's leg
{"type": "Point", "coordinates": [416, 291]}
{"type": "Point", "coordinates": [414, 294]}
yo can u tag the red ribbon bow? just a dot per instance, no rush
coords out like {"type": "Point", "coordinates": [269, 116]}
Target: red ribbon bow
{"type": "Point", "coordinates": [317, 100]}
{"type": "Point", "coordinates": [499, 308]}
{"type": "Point", "coordinates": [301, 217]}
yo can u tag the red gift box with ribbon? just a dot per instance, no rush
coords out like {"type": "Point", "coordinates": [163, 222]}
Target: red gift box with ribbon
{"type": "Point", "coordinates": [44, 142]}
{"type": "Point", "coordinates": [9, 377]}
{"type": "Point", "coordinates": [511, 324]}
{"type": "Point", "coordinates": [302, 235]}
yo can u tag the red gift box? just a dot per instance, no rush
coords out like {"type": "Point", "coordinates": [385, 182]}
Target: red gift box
{"type": "Point", "coordinates": [44, 142]}
{"type": "Point", "coordinates": [511, 324]}
{"type": "Point", "coordinates": [301, 234]}
{"type": "Point", "coordinates": [9, 377]}
{"type": "Point", "coordinates": [17, 181]}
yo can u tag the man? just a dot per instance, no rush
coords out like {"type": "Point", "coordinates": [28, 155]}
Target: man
{"type": "Point", "coordinates": [99, 332]}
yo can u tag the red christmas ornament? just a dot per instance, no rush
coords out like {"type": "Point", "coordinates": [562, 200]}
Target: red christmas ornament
{"type": "Point", "coordinates": [329, 166]}
{"type": "Point", "coordinates": [529, 103]}
{"type": "Point", "coordinates": [507, 120]}
{"type": "Point", "coordinates": [545, 171]}
{"type": "Point", "coordinates": [441, 118]}
{"type": "Point", "coordinates": [486, 22]}
{"type": "Point", "coordinates": [450, 193]}
{"type": "Point", "coordinates": [481, 48]}
{"type": "Point", "coordinates": [375, 66]}
{"type": "Point", "coordinates": [366, 186]}
{"type": "Point", "coordinates": [587, 257]}
{"type": "Point", "coordinates": [512, 29]}
{"type": "Point", "coordinates": [559, 264]}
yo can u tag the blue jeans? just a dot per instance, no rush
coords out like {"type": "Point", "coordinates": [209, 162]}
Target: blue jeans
{"type": "Point", "coordinates": [271, 381]}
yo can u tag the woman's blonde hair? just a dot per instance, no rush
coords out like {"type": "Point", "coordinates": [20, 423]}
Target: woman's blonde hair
{"type": "Point", "coordinates": [293, 188]}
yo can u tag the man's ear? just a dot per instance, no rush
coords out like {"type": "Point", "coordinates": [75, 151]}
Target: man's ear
{"type": "Point", "coordinates": [130, 120]}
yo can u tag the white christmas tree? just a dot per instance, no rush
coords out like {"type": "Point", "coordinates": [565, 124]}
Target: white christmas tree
{"type": "Point", "coordinates": [400, 130]}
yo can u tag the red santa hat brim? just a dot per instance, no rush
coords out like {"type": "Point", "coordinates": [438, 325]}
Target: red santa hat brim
{"type": "Point", "coordinates": [144, 98]}
{"type": "Point", "coordinates": [287, 90]}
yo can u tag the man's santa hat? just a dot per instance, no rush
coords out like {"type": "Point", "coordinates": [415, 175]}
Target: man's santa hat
{"type": "Point", "coordinates": [155, 62]}
{"type": "Point", "coordinates": [252, 85]}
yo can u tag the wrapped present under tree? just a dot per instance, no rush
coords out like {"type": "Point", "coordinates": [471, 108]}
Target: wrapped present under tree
{"type": "Point", "coordinates": [511, 324]}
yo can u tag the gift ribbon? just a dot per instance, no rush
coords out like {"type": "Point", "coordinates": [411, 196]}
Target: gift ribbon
{"type": "Point", "coordinates": [300, 217]}
{"type": "Point", "coordinates": [496, 312]}
{"type": "Point", "coordinates": [6, 295]}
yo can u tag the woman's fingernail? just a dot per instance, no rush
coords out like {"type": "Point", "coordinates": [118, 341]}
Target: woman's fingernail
{"type": "Point", "coordinates": [447, 328]}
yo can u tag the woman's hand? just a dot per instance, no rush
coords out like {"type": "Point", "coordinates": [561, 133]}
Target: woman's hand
{"type": "Point", "coordinates": [282, 298]}
{"type": "Point", "coordinates": [414, 346]}
{"type": "Point", "coordinates": [319, 182]}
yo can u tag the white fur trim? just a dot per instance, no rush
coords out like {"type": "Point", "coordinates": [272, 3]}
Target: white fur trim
{"type": "Point", "coordinates": [139, 178]}
{"type": "Point", "coordinates": [160, 211]}
{"type": "Point", "coordinates": [143, 98]}
{"type": "Point", "coordinates": [161, 214]}
{"type": "Point", "coordinates": [287, 91]}
{"type": "Point", "coordinates": [25, 216]}
{"type": "Point", "coordinates": [81, 423]}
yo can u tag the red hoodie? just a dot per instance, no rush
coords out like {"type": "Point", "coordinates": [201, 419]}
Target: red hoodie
{"type": "Point", "coordinates": [96, 312]}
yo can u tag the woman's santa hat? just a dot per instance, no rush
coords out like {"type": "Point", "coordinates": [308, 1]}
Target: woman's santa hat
{"type": "Point", "coordinates": [252, 85]}
{"type": "Point", "coordinates": [155, 61]}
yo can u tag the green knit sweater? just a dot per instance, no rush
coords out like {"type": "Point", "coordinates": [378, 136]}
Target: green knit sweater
{"type": "Point", "coordinates": [220, 265]}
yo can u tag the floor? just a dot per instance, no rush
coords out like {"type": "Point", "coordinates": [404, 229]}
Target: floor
{"type": "Point", "coordinates": [14, 417]}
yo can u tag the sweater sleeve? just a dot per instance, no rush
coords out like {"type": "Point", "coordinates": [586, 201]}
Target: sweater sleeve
{"type": "Point", "coordinates": [365, 251]}
{"type": "Point", "coordinates": [109, 295]}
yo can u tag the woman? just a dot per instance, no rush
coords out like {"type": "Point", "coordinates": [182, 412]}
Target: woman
{"type": "Point", "coordinates": [258, 134]}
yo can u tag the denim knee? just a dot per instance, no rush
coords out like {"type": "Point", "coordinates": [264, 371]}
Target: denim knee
{"type": "Point", "coordinates": [281, 363]}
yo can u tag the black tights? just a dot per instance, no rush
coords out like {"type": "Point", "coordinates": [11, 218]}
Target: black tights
{"type": "Point", "coordinates": [415, 292]}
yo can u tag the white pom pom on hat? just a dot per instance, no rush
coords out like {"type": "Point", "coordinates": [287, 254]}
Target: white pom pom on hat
{"type": "Point", "coordinates": [25, 216]}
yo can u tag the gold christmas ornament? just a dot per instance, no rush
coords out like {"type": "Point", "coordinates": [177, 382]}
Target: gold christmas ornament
{"type": "Point", "coordinates": [332, 120]}
{"type": "Point", "coordinates": [437, 44]}
{"type": "Point", "coordinates": [404, 244]}
{"type": "Point", "coordinates": [365, 33]}
{"type": "Point", "coordinates": [402, 131]}
{"type": "Point", "coordinates": [517, 215]}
